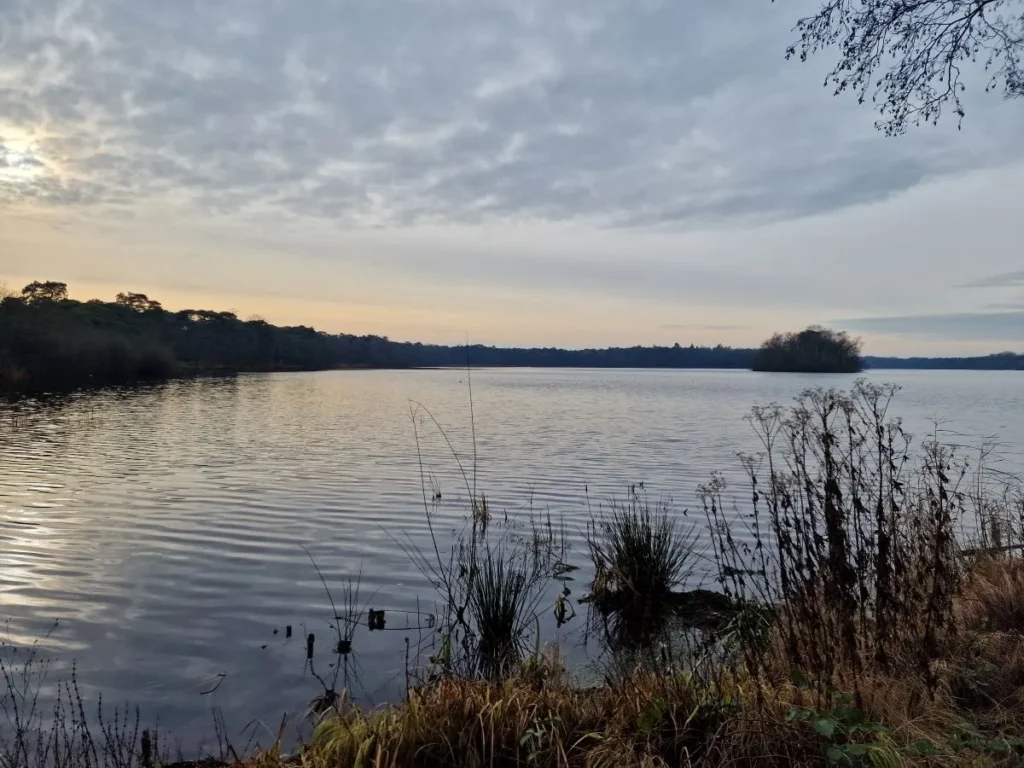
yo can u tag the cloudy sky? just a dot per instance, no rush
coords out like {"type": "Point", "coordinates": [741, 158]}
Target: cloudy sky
{"type": "Point", "coordinates": [570, 172]}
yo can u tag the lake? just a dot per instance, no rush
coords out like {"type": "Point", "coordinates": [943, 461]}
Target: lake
{"type": "Point", "coordinates": [163, 528]}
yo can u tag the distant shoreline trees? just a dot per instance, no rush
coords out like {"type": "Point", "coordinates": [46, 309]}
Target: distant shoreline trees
{"type": "Point", "coordinates": [50, 342]}
{"type": "Point", "coordinates": [813, 350]}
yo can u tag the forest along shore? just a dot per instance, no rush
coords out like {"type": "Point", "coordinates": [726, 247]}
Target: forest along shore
{"type": "Point", "coordinates": [51, 342]}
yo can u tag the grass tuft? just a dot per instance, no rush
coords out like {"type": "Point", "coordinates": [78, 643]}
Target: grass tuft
{"type": "Point", "coordinates": [641, 556]}
{"type": "Point", "coordinates": [502, 601]}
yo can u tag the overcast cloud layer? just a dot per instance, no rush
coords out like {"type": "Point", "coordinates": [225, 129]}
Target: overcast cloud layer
{"type": "Point", "coordinates": [570, 172]}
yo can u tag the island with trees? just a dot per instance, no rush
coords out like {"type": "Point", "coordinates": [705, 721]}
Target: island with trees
{"type": "Point", "coordinates": [813, 350]}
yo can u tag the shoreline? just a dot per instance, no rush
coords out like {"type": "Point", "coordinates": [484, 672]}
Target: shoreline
{"type": "Point", "coordinates": [227, 372]}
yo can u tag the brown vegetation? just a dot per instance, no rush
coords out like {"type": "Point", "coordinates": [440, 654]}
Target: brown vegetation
{"type": "Point", "coordinates": [970, 713]}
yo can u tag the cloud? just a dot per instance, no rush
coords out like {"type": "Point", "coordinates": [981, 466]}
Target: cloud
{"type": "Point", "coordinates": [1008, 326]}
{"type": "Point", "coordinates": [12, 159]}
{"type": "Point", "coordinates": [703, 327]}
{"type": "Point", "coordinates": [408, 113]}
{"type": "Point", "coordinates": [1012, 305]}
{"type": "Point", "coordinates": [1001, 280]}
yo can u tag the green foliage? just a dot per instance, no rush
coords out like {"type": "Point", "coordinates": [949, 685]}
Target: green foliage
{"type": "Point", "coordinates": [814, 350]}
{"type": "Point", "coordinates": [969, 738]}
{"type": "Point", "coordinates": [748, 628]}
{"type": "Point", "coordinates": [541, 738]}
{"type": "Point", "coordinates": [849, 739]}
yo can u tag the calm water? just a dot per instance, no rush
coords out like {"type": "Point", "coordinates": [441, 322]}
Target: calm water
{"type": "Point", "coordinates": [163, 527]}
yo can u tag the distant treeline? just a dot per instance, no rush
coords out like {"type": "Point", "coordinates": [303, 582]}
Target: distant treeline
{"type": "Point", "coordinates": [1001, 361]}
{"type": "Point", "coordinates": [375, 351]}
{"type": "Point", "coordinates": [51, 342]}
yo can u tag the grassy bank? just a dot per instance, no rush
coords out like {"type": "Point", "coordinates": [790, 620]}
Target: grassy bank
{"type": "Point", "coordinates": [868, 610]}
{"type": "Point", "coordinates": [967, 711]}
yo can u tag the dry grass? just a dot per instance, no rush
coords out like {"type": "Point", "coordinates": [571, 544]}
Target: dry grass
{"type": "Point", "coordinates": [973, 715]}
{"type": "Point", "coordinates": [986, 660]}
{"type": "Point", "coordinates": [655, 720]}
{"type": "Point", "coordinates": [993, 597]}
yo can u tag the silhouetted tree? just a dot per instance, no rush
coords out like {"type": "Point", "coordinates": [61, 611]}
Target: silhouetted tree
{"type": "Point", "coordinates": [906, 55]}
{"type": "Point", "coordinates": [47, 291]}
{"type": "Point", "coordinates": [140, 302]}
{"type": "Point", "coordinates": [814, 350]}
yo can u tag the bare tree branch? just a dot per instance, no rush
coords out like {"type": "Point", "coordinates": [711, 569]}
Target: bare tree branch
{"type": "Point", "coordinates": [906, 55]}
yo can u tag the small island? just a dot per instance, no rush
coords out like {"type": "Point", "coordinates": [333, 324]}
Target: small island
{"type": "Point", "coordinates": [814, 350]}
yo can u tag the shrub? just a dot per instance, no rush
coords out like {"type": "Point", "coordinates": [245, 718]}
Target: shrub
{"type": "Point", "coordinates": [853, 541]}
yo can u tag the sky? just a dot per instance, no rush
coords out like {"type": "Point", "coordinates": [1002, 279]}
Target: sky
{"type": "Point", "coordinates": [567, 172]}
